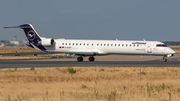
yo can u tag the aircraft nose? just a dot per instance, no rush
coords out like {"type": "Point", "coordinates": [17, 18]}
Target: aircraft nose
{"type": "Point", "coordinates": [172, 51]}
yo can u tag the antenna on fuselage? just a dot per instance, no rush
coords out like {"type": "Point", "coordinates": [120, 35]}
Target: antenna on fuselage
{"type": "Point", "coordinates": [116, 39]}
{"type": "Point", "coordinates": [144, 40]}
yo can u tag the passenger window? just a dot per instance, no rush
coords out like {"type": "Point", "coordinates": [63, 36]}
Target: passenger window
{"type": "Point", "coordinates": [126, 45]}
{"type": "Point", "coordinates": [122, 44]}
{"type": "Point", "coordinates": [66, 43]}
{"type": "Point", "coordinates": [111, 44]}
{"type": "Point", "coordinates": [73, 44]}
{"type": "Point", "coordinates": [134, 45]}
{"type": "Point", "coordinates": [62, 43]}
{"type": "Point", "coordinates": [107, 44]}
{"type": "Point", "coordinates": [76, 44]}
{"type": "Point", "coordinates": [92, 44]}
{"type": "Point", "coordinates": [137, 45]}
{"type": "Point", "coordinates": [104, 44]}
{"type": "Point", "coordinates": [80, 44]}
{"type": "Point", "coordinates": [130, 45]}
{"type": "Point", "coordinates": [101, 44]}
{"type": "Point", "coordinates": [97, 44]}
{"type": "Point", "coordinates": [84, 44]}
{"type": "Point", "coordinates": [119, 45]}
{"type": "Point", "coordinates": [114, 44]}
{"type": "Point", "coordinates": [69, 43]}
{"type": "Point", "coordinates": [87, 44]}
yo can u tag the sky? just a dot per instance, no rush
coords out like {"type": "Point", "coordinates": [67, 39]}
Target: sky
{"type": "Point", "coordinates": [152, 20]}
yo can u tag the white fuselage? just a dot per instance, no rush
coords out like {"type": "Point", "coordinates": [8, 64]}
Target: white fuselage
{"type": "Point", "coordinates": [94, 47]}
{"type": "Point", "coordinates": [103, 47]}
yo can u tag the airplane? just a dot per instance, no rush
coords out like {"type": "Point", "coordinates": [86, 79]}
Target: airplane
{"type": "Point", "coordinates": [91, 48]}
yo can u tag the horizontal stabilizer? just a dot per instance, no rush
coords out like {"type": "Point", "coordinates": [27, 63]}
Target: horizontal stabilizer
{"type": "Point", "coordinates": [22, 26]}
{"type": "Point", "coordinates": [12, 27]}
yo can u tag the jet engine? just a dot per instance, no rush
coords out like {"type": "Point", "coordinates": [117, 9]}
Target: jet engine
{"type": "Point", "coordinates": [170, 55]}
{"type": "Point", "coordinates": [46, 42]}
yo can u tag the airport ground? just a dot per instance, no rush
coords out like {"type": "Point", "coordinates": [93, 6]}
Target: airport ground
{"type": "Point", "coordinates": [71, 61]}
{"type": "Point", "coordinates": [28, 57]}
{"type": "Point", "coordinates": [109, 78]}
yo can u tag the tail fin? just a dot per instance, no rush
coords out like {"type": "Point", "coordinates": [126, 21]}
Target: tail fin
{"type": "Point", "coordinates": [31, 35]}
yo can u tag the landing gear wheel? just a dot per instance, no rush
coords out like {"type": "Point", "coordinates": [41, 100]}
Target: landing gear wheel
{"type": "Point", "coordinates": [91, 59]}
{"type": "Point", "coordinates": [79, 59]}
{"type": "Point", "coordinates": [164, 59]}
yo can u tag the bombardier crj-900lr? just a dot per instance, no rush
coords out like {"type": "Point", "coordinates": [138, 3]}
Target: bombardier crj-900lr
{"type": "Point", "coordinates": [93, 48]}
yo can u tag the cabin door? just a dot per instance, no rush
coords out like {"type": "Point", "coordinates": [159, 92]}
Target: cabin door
{"type": "Point", "coordinates": [92, 46]}
{"type": "Point", "coordinates": [149, 49]}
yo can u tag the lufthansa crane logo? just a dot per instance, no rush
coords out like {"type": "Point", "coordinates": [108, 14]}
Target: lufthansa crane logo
{"type": "Point", "coordinates": [31, 35]}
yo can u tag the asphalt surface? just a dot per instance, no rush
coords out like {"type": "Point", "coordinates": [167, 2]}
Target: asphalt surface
{"type": "Point", "coordinates": [21, 63]}
{"type": "Point", "coordinates": [112, 60]}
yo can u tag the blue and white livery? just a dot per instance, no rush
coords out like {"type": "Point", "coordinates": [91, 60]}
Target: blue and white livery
{"type": "Point", "coordinates": [93, 48]}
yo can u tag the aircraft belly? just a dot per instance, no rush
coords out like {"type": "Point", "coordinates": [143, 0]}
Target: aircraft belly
{"type": "Point", "coordinates": [126, 51]}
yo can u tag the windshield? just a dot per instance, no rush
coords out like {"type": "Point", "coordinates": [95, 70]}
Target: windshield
{"type": "Point", "coordinates": [161, 45]}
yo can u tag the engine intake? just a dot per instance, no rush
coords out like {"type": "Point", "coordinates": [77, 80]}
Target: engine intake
{"type": "Point", "coordinates": [46, 42]}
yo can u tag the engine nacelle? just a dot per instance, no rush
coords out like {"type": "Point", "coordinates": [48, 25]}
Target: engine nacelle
{"type": "Point", "coordinates": [170, 55]}
{"type": "Point", "coordinates": [46, 42]}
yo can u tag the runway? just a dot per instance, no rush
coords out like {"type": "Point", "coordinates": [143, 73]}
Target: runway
{"type": "Point", "coordinates": [100, 61]}
{"type": "Point", "coordinates": [22, 63]}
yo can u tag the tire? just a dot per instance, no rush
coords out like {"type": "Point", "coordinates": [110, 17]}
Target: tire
{"type": "Point", "coordinates": [91, 59]}
{"type": "Point", "coordinates": [79, 59]}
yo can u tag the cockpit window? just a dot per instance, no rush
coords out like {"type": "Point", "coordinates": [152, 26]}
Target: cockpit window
{"type": "Point", "coordinates": [161, 45]}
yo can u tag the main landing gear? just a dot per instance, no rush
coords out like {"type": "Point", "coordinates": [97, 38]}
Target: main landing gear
{"type": "Point", "coordinates": [91, 59]}
{"type": "Point", "coordinates": [165, 58]}
{"type": "Point", "coordinates": [80, 59]}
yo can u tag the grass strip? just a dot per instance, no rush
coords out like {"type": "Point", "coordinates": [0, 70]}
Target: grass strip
{"type": "Point", "coordinates": [90, 83]}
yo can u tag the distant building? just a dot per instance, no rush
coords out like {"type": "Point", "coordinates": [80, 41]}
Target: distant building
{"type": "Point", "coordinates": [15, 38]}
{"type": "Point", "coordinates": [16, 43]}
{"type": "Point", "coordinates": [13, 43]}
{"type": "Point", "coordinates": [2, 45]}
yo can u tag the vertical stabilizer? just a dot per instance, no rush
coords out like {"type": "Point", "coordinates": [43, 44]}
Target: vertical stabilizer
{"type": "Point", "coordinates": [31, 35]}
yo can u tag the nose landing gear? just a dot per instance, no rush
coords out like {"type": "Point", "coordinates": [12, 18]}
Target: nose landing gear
{"type": "Point", "coordinates": [165, 58]}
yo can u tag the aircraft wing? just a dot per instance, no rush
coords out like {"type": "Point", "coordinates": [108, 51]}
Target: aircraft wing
{"type": "Point", "coordinates": [84, 53]}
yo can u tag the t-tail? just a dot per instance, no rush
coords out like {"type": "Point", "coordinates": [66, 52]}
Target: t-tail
{"type": "Point", "coordinates": [34, 39]}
